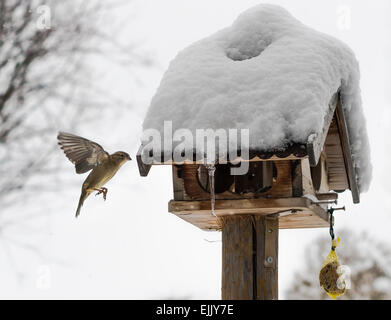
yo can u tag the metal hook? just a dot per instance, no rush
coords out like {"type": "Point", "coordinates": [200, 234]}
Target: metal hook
{"type": "Point", "coordinates": [331, 212]}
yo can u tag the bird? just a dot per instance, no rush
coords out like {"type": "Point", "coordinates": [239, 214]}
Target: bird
{"type": "Point", "coordinates": [88, 155]}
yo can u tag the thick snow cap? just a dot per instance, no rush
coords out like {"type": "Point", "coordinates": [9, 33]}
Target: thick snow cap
{"type": "Point", "coordinates": [268, 73]}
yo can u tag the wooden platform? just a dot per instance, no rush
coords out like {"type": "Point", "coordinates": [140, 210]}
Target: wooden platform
{"type": "Point", "coordinates": [293, 213]}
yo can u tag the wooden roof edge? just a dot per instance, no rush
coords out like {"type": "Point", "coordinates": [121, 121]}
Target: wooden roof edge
{"type": "Point", "coordinates": [294, 151]}
{"type": "Point", "coordinates": [142, 167]}
{"type": "Point", "coordinates": [346, 148]}
{"type": "Point", "coordinates": [315, 141]}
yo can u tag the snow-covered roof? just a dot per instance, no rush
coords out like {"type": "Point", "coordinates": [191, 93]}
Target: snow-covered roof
{"type": "Point", "coordinates": [269, 73]}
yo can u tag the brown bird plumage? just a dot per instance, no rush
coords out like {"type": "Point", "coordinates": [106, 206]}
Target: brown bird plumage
{"type": "Point", "coordinates": [87, 155]}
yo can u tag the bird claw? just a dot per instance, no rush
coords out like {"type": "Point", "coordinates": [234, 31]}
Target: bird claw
{"type": "Point", "coordinates": [102, 190]}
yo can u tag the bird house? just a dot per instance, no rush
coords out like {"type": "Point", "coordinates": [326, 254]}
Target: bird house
{"type": "Point", "coordinates": [296, 183]}
{"type": "Point", "coordinates": [297, 93]}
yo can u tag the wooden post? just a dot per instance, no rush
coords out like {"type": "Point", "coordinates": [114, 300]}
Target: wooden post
{"type": "Point", "coordinates": [250, 258]}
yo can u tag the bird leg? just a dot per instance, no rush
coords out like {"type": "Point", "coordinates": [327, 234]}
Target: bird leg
{"type": "Point", "coordinates": [101, 190]}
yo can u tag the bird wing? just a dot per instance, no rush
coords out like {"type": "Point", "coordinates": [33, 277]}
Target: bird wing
{"type": "Point", "coordinates": [83, 153]}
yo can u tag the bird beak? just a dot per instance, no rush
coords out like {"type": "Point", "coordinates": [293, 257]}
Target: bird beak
{"type": "Point", "coordinates": [129, 158]}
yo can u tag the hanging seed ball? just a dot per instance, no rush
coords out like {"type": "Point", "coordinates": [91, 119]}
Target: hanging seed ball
{"type": "Point", "coordinates": [328, 277]}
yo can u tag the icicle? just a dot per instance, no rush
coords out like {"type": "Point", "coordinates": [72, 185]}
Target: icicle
{"type": "Point", "coordinates": [211, 172]}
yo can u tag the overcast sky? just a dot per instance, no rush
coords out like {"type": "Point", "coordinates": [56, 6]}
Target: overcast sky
{"type": "Point", "coordinates": [130, 246]}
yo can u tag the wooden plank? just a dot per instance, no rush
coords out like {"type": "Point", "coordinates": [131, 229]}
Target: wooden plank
{"type": "Point", "coordinates": [298, 220]}
{"type": "Point", "coordinates": [304, 215]}
{"type": "Point", "coordinates": [336, 170]}
{"type": "Point", "coordinates": [308, 187]}
{"type": "Point", "coordinates": [297, 181]}
{"type": "Point", "coordinates": [316, 141]}
{"type": "Point", "coordinates": [250, 258]}
{"type": "Point", "coordinates": [267, 257]}
{"type": "Point", "coordinates": [328, 196]}
{"type": "Point", "coordinates": [240, 206]}
{"type": "Point", "coordinates": [177, 183]}
{"type": "Point", "coordinates": [302, 220]}
{"type": "Point", "coordinates": [192, 188]}
{"type": "Point", "coordinates": [282, 187]}
{"type": "Point", "coordinates": [319, 175]}
{"type": "Point", "coordinates": [351, 171]}
{"type": "Point", "coordinates": [237, 259]}
{"type": "Point", "coordinates": [142, 167]}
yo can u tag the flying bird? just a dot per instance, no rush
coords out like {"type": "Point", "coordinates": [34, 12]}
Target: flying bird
{"type": "Point", "coordinates": [86, 155]}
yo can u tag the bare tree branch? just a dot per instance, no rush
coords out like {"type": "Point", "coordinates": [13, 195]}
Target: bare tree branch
{"type": "Point", "coordinates": [45, 85]}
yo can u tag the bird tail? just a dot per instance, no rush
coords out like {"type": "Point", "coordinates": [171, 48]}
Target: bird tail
{"type": "Point", "coordinates": [83, 196]}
